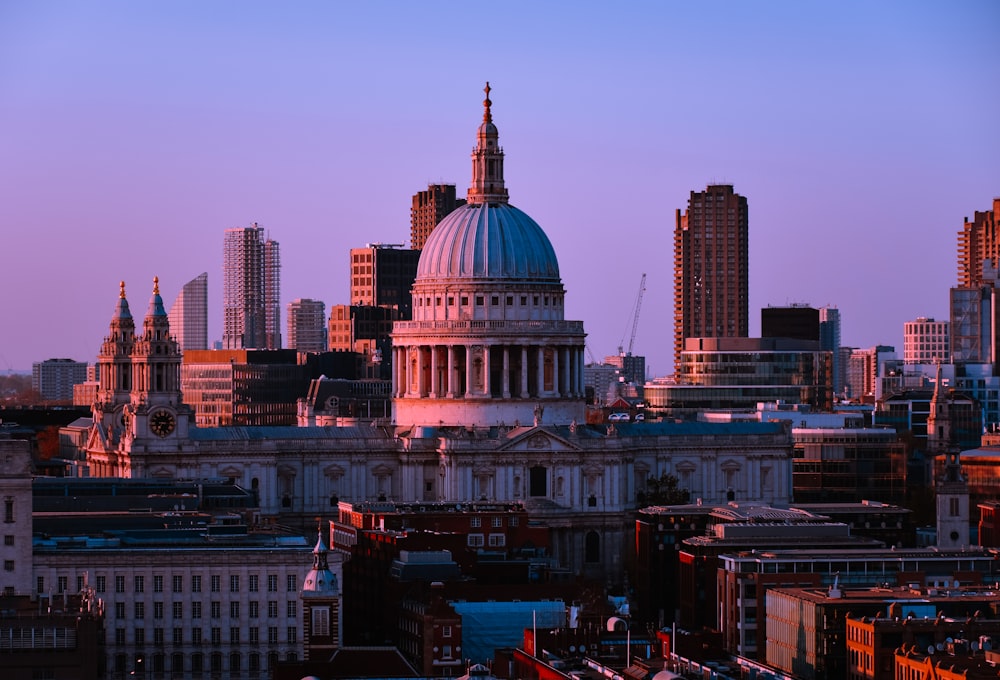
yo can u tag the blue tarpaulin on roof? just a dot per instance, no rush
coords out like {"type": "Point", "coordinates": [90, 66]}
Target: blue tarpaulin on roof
{"type": "Point", "coordinates": [487, 626]}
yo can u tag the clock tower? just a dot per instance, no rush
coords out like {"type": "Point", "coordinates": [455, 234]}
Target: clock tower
{"type": "Point", "coordinates": [156, 413]}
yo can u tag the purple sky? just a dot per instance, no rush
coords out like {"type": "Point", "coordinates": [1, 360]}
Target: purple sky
{"type": "Point", "coordinates": [132, 134]}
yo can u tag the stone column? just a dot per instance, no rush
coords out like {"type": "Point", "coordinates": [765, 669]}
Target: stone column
{"type": "Point", "coordinates": [556, 371]}
{"type": "Point", "coordinates": [468, 370]}
{"type": "Point", "coordinates": [421, 376]}
{"type": "Point", "coordinates": [450, 394]}
{"type": "Point", "coordinates": [506, 372]}
{"type": "Point", "coordinates": [524, 372]}
{"type": "Point", "coordinates": [435, 378]}
{"type": "Point", "coordinates": [540, 372]}
{"type": "Point", "coordinates": [487, 390]}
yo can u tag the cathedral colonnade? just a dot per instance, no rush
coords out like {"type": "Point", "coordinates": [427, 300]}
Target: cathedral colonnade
{"type": "Point", "coordinates": [486, 369]}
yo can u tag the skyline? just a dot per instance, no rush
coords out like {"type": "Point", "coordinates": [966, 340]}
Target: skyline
{"type": "Point", "coordinates": [137, 134]}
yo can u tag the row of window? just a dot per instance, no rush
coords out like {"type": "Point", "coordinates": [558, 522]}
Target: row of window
{"type": "Point", "coordinates": [215, 609]}
{"type": "Point", "coordinates": [214, 637]}
{"type": "Point", "coordinates": [157, 663]}
{"type": "Point", "coordinates": [177, 583]}
{"type": "Point", "coordinates": [496, 522]}
{"type": "Point", "coordinates": [494, 301]}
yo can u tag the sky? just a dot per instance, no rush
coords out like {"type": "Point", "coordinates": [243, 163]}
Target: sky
{"type": "Point", "coordinates": [132, 134]}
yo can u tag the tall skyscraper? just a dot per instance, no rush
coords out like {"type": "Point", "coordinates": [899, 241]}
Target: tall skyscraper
{"type": "Point", "coordinates": [307, 325]}
{"type": "Point", "coordinates": [272, 295]}
{"type": "Point", "coordinates": [430, 207]}
{"type": "Point", "coordinates": [188, 315]}
{"type": "Point", "coordinates": [711, 268]}
{"type": "Point", "coordinates": [829, 339]}
{"type": "Point", "coordinates": [978, 242]}
{"type": "Point", "coordinates": [382, 275]}
{"type": "Point", "coordinates": [250, 290]}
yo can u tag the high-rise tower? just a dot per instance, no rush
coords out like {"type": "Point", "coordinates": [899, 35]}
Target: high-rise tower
{"type": "Point", "coordinates": [978, 242]}
{"type": "Point", "coordinates": [189, 314]}
{"type": "Point", "coordinates": [430, 207]}
{"type": "Point", "coordinates": [307, 325]}
{"type": "Point", "coordinates": [250, 290]}
{"type": "Point", "coordinates": [711, 268]}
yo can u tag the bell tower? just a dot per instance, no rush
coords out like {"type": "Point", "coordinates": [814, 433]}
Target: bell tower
{"type": "Point", "coordinates": [951, 488]}
{"type": "Point", "coordinates": [114, 370]}
{"type": "Point", "coordinates": [156, 409]}
{"type": "Point", "coordinates": [320, 606]}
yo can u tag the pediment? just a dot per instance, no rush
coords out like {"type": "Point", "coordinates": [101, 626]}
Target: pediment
{"type": "Point", "coordinates": [534, 439]}
{"type": "Point", "coordinates": [231, 471]}
{"type": "Point", "coordinates": [96, 439]}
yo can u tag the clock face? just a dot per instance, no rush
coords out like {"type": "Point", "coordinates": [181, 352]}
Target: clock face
{"type": "Point", "coordinates": [162, 423]}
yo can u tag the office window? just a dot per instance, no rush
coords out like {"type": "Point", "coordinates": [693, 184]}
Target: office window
{"type": "Point", "coordinates": [254, 635]}
{"type": "Point", "coordinates": [178, 636]}
{"type": "Point", "coordinates": [272, 583]}
{"type": "Point", "coordinates": [140, 583]}
{"type": "Point", "coordinates": [197, 663]}
{"type": "Point", "coordinates": [253, 583]}
{"type": "Point", "coordinates": [196, 583]}
{"type": "Point", "coordinates": [254, 609]}
{"type": "Point", "coordinates": [119, 610]}
{"type": "Point", "coordinates": [119, 636]}
{"type": "Point", "coordinates": [196, 636]}
{"type": "Point", "coordinates": [272, 635]}
{"type": "Point", "coordinates": [102, 584]}
{"type": "Point", "coordinates": [8, 539]}
{"type": "Point", "coordinates": [234, 583]}
{"type": "Point", "coordinates": [234, 635]}
{"type": "Point", "coordinates": [216, 583]}
{"type": "Point", "coordinates": [292, 583]}
{"type": "Point", "coordinates": [292, 634]}
{"type": "Point", "coordinates": [157, 583]}
{"type": "Point", "coordinates": [157, 610]}
{"type": "Point", "coordinates": [8, 510]}
{"type": "Point", "coordinates": [8, 565]}
{"type": "Point", "coordinates": [140, 636]}
{"type": "Point", "coordinates": [497, 522]}
{"type": "Point", "coordinates": [234, 610]}
{"type": "Point", "coordinates": [216, 636]}
{"type": "Point", "coordinates": [178, 610]}
{"type": "Point", "coordinates": [119, 584]}
{"type": "Point", "coordinates": [140, 610]}
{"type": "Point", "coordinates": [61, 584]}
{"type": "Point", "coordinates": [177, 583]}
{"type": "Point", "coordinates": [158, 636]}
{"type": "Point", "coordinates": [196, 610]}
{"type": "Point", "coordinates": [446, 631]}
{"type": "Point", "coordinates": [272, 609]}
{"type": "Point", "coordinates": [216, 607]}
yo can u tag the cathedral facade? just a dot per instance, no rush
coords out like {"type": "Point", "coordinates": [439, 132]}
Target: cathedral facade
{"type": "Point", "coordinates": [488, 404]}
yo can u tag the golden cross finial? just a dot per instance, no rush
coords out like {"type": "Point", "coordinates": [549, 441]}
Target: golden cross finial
{"type": "Point", "coordinates": [121, 287]}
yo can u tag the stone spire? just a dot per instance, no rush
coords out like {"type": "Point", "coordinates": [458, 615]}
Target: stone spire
{"type": "Point", "coordinates": [113, 361]}
{"type": "Point", "coordinates": [487, 161]}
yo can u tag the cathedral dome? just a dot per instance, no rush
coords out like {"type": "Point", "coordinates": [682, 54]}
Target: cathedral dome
{"type": "Point", "coordinates": [488, 241]}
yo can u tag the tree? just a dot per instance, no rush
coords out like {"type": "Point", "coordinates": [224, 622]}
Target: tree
{"type": "Point", "coordinates": [663, 490]}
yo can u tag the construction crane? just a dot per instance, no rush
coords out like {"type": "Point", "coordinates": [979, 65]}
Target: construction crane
{"type": "Point", "coordinates": [635, 319]}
